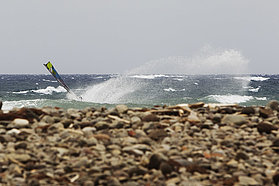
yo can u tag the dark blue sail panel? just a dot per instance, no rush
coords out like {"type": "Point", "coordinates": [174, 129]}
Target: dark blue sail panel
{"type": "Point", "coordinates": [55, 74]}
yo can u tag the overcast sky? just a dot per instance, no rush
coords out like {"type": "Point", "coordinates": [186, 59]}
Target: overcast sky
{"type": "Point", "coordinates": [115, 36]}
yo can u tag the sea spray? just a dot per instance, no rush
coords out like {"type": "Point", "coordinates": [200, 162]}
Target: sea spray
{"type": "Point", "coordinates": [207, 61]}
{"type": "Point", "coordinates": [112, 91]}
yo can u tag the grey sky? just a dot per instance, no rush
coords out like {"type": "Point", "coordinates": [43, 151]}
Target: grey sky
{"type": "Point", "coordinates": [114, 36]}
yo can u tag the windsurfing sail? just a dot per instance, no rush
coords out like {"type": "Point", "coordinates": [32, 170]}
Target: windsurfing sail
{"type": "Point", "coordinates": [55, 74]}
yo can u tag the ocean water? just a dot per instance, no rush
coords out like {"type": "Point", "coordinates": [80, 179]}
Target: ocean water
{"type": "Point", "coordinates": [140, 90]}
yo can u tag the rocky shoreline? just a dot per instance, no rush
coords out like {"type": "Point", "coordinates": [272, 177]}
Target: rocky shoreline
{"type": "Point", "coordinates": [190, 144]}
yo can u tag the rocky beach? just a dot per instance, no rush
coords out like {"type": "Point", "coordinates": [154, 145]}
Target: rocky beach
{"type": "Point", "coordinates": [187, 144]}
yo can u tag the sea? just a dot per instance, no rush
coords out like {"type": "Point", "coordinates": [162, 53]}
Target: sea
{"type": "Point", "coordinates": [136, 90]}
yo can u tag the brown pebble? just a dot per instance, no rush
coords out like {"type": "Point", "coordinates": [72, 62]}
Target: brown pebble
{"type": "Point", "coordinates": [275, 145]}
{"type": "Point", "coordinates": [265, 127]}
{"type": "Point", "coordinates": [265, 113]}
{"type": "Point", "coordinates": [158, 134]}
{"type": "Point", "coordinates": [21, 145]}
{"type": "Point", "coordinates": [273, 105]}
{"type": "Point", "coordinates": [248, 110]}
{"type": "Point", "coordinates": [275, 179]}
{"type": "Point", "coordinates": [196, 168]}
{"type": "Point", "coordinates": [241, 155]}
{"type": "Point", "coordinates": [154, 162]}
{"type": "Point", "coordinates": [230, 181]}
{"type": "Point", "coordinates": [150, 117]}
{"type": "Point", "coordinates": [196, 105]}
{"type": "Point", "coordinates": [165, 168]}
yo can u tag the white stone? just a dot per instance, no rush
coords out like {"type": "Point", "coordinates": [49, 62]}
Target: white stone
{"type": "Point", "coordinates": [13, 132]}
{"type": "Point", "coordinates": [20, 123]}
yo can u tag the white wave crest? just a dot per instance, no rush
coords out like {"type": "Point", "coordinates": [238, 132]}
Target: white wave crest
{"type": "Point", "coordinates": [172, 90]}
{"type": "Point", "coordinates": [233, 99]}
{"type": "Point", "coordinates": [228, 99]}
{"type": "Point", "coordinates": [251, 89]}
{"type": "Point", "coordinates": [149, 76]}
{"type": "Point", "coordinates": [21, 92]}
{"type": "Point", "coordinates": [169, 90]}
{"type": "Point", "coordinates": [261, 98]}
{"type": "Point", "coordinates": [49, 90]}
{"type": "Point", "coordinates": [252, 78]}
{"type": "Point", "coordinates": [8, 105]}
{"type": "Point", "coordinates": [47, 80]}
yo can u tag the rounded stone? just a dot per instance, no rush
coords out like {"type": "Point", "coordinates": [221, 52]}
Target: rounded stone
{"type": "Point", "coordinates": [273, 104]}
{"type": "Point", "coordinates": [121, 108]}
{"type": "Point", "coordinates": [20, 123]}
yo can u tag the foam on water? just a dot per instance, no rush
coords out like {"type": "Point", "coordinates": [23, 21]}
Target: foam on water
{"type": "Point", "coordinates": [261, 98]}
{"type": "Point", "coordinates": [172, 90]}
{"type": "Point", "coordinates": [21, 92]}
{"type": "Point", "coordinates": [49, 90]}
{"type": "Point", "coordinates": [47, 80]}
{"type": "Point", "coordinates": [149, 76]}
{"type": "Point", "coordinates": [252, 78]}
{"type": "Point", "coordinates": [251, 89]}
{"type": "Point", "coordinates": [207, 61]}
{"type": "Point", "coordinates": [8, 105]}
{"type": "Point", "coordinates": [230, 99]}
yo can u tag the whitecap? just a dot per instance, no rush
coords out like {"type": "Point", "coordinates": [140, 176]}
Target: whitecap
{"type": "Point", "coordinates": [178, 79]}
{"type": "Point", "coordinates": [47, 80]}
{"type": "Point", "coordinates": [169, 90]}
{"type": "Point", "coordinates": [261, 98]}
{"type": "Point", "coordinates": [173, 90]}
{"type": "Point", "coordinates": [149, 76]}
{"type": "Point", "coordinates": [228, 99]}
{"type": "Point", "coordinates": [8, 105]}
{"type": "Point", "coordinates": [21, 92]}
{"type": "Point", "coordinates": [49, 90]}
{"type": "Point", "coordinates": [251, 89]}
{"type": "Point", "coordinates": [250, 78]}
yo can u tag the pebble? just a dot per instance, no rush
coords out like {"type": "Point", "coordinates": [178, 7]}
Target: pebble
{"type": "Point", "coordinates": [266, 127]}
{"type": "Point", "coordinates": [234, 119]}
{"type": "Point", "coordinates": [20, 157]}
{"type": "Point", "coordinates": [273, 104]}
{"type": "Point", "coordinates": [244, 180]}
{"type": "Point", "coordinates": [232, 163]}
{"type": "Point", "coordinates": [121, 108]}
{"type": "Point", "coordinates": [20, 123]}
{"type": "Point", "coordinates": [194, 144]}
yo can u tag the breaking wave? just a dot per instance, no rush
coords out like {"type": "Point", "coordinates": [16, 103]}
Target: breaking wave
{"type": "Point", "coordinates": [47, 80]}
{"type": "Point", "coordinates": [172, 90]}
{"type": "Point", "coordinates": [252, 78]}
{"type": "Point", "coordinates": [230, 99]}
{"type": "Point", "coordinates": [149, 76]}
{"type": "Point", "coordinates": [251, 89]}
{"type": "Point", "coordinates": [49, 90]}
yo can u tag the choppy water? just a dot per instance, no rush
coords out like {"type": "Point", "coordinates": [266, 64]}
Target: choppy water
{"type": "Point", "coordinates": [136, 90]}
